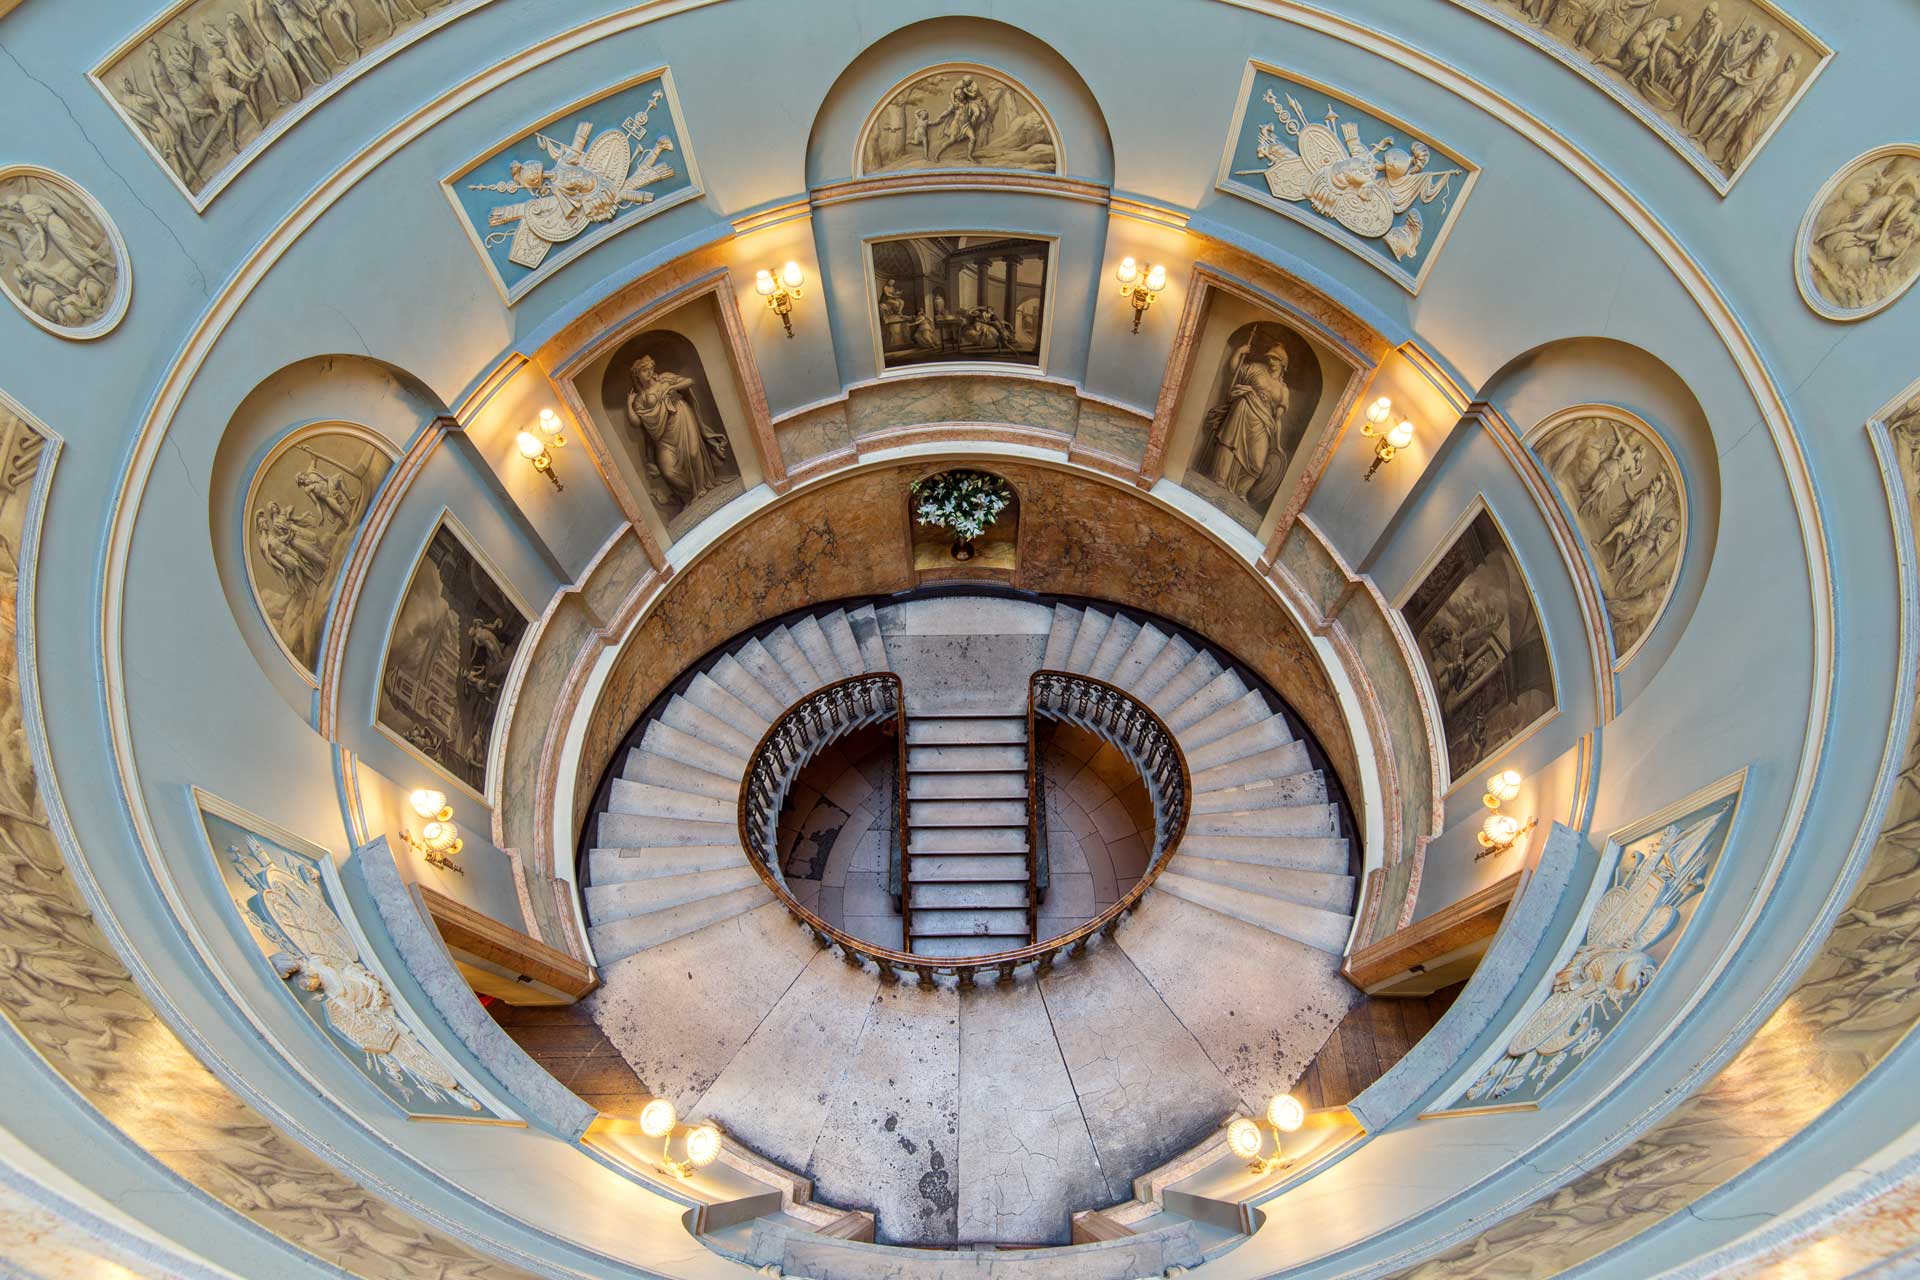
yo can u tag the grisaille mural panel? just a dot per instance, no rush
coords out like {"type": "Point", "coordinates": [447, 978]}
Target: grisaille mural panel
{"type": "Point", "coordinates": [1856, 1001]}
{"type": "Point", "coordinates": [305, 505]}
{"type": "Point", "coordinates": [657, 388]}
{"type": "Point", "coordinates": [209, 84]}
{"type": "Point", "coordinates": [1479, 633]}
{"type": "Point", "coordinates": [452, 644]}
{"type": "Point", "coordinates": [965, 298]}
{"type": "Point", "coordinates": [548, 194]}
{"type": "Point", "coordinates": [62, 261]}
{"type": "Point", "coordinates": [958, 116]}
{"type": "Point", "coordinates": [1859, 245]}
{"type": "Point", "coordinates": [1624, 489]}
{"type": "Point", "coordinates": [69, 996]}
{"type": "Point", "coordinates": [1364, 179]}
{"type": "Point", "coordinates": [1714, 78]}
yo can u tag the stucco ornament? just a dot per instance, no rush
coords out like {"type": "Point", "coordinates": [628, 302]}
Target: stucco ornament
{"type": "Point", "coordinates": [62, 261]}
{"type": "Point", "coordinates": [1613, 963]}
{"type": "Point", "coordinates": [589, 181]}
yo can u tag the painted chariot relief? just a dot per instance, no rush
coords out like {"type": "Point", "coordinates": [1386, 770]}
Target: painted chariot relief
{"type": "Point", "coordinates": [1859, 246]}
{"type": "Point", "coordinates": [966, 298]}
{"type": "Point", "coordinates": [1625, 491]}
{"type": "Point", "coordinates": [1714, 78]}
{"type": "Point", "coordinates": [307, 502]}
{"type": "Point", "coordinates": [210, 84]}
{"type": "Point", "coordinates": [1361, 178]}
{"type": "Point", "coordinates": [958, 117]}
{"type": "Point", "coordinates": [448, 656]}
{"type": "Point", "coordinates": [62, 261]}
{"type": "Point", "coordinates": [542, 198]}
{"type": "Point", "coordinates": [1656, 882]}
{"type": "Point", "coordinates": [291, 902]}
{"type": "Point", "coordinates": [1480, 636]}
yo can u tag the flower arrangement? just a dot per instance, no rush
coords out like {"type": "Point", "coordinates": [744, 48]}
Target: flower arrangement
{"type": "Point", "coordinates": [963, 502]}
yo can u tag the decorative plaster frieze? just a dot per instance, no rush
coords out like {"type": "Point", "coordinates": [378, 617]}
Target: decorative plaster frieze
{"type": "Point", "coordinates": [62, 261]}
{"type": "Point", "coordinates": [1858, 250]}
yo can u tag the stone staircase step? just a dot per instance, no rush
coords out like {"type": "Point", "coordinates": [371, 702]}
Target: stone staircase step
{"type": "Point", "coordinates": [1295, 820]}
{"type": "Point", "coordinates": [678, 744]}
{"type": "Point", "coordinates": [1066, 625]}
{"type": "Point", "coordinates": [642, 765]}
{"type": "Point", "coordinates": [1263, 793]}
{"type": "Point", "coordinates": [730, 675]}
{"type": "Point", "coordinates": [704, 692]}
{"type": "Point", "coordinates": [1323, 930]}
{"type": "Point", "coordinates": [967, 786]}
{"type": "Point", "coordinates": [937, 868]}
{"type": "Point", "coordinates": [1119, 638]}
{"type": "Point", "coordinates": [1308, 888]}
{"type": "Point", "coordinates": [865, 622]}
{"type": "Point", "coordinates": [960, 948]}
{"type": "Point", "coordinates": [1300, 853]}
{"type": "Point", "coordinates": [1169, 662]}
{"type": "Point", "coordinates": [1274, 762]}
{"type": "Point", "coordinates": [970, 923]}
{"type": "Point", "coordinates": [685, 716]}
{"type": "Point", "coordinates": [1086, 642]}
{"type": "Point", "coordinates": [1148, 641]}
{"type": "Point", "coordinates": [626, 899]}
{"type": "Point", "coordinates": [812, 639]}
{"type": "Point", "coordinates": [1242, 713]}
{"type": "Point", "coordinates": [764, 667]}
{"type": "Point", "coordinates": [646, 800]}
{"type": "Point", "coordinates": [787, 652]}
{"type": "Point", "coordinates": [961, 895]}
{"type": "Point", "coordinates": [637, 831]}
{"type": "Point", "coordinates": [966, 731]}
{"type": "Point", "coordinates": [611, 866]}
{"type": "Point", "coordinates": [966, 759]}
{"type": "Point", "coordinates": [984, 840]}
{"type": "Point", "coordinates": [623, 938]}
{"type": "Point", "coordinates": [1268, 735]}
{"type": "Point", "coordinates": [1199, 670]}
{"type": "Point", "coordinates": [967, 813]}
{"type": "Point", "coordinates": [840, 639]}
{"type": "Point", "coordinates": [1223, 689]}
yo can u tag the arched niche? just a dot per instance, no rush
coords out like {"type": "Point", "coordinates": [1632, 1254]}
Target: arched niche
{"type": "Point", "coordinates": [341, 421]}
{"type": "Point", "coordinates": [995, 555]}
{"type": "Point", "coordinates": [1013, 71]}
{"type": "Point", "coordinates": [1589, 385]}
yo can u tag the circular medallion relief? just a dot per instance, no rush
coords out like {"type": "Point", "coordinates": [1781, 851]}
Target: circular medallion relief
{"type": "Point", "coordinates": [62, 261]}
{"type": "Point", "coordinates": [1859, 245]}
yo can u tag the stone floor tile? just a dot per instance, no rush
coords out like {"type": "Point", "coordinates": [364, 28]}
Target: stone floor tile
{"type": "Point", "coordinates": [1129, 855]}
{"type": "Point", "coordinates": [1113, 820]}
{"type": "Point", "coordinates": [881, 931]}
{"type": "Point", "coordinates": [866, 895]}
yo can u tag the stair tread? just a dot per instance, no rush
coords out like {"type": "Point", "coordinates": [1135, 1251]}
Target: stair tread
{"type": "Point", "coordinates": [966, 759]}
{"type": "Point", "coordinates": [982, 840]}
{"type": "Point", "coordinates": [1323, 930]}
{"type": "Point", "coordinates": [1066, 624]}
{"type": "Point", "coordinates": [950, 868]}
{"type": "Point", "coordinates": [960, 948]}
{"type": "Point", "coordinates": [812, 639]}
{"type": "Point", "coordinates": [1195, 673]}
{"type": "Point", "coordinates": [840, 639]}
{"type": "Point", "coordinates": [761, 664]}
{"type": "Point", "coordinates": [1120, 636]}
{"type": "Point", "coordinates": [643, 765]}
{"type": "Point", "coordinates": [968, 922]}
{"type": "Point", "coordinates": [1273, 763]}
{"type": "Point", "coordinates": [1307, 853]}
{"type": "Point", "coordinates": [1263, 793]}
{"type": "Point", "coordinates": [718, 701]}
{"type": "Point", "coordinates": [966, 731]}
{"type": "Point", "coordinates": [963, 894]}
{"type": "Point", "coordinates": [644, 799]}
{"type": "Point", "coordinates": [1268, 735]}
{"type": "Point", "coordinates": [1086, 641]}
{"type": "Point", "coordinates": [967, 786]}
{"type": "Point", "coordinates": [967, 813]}
{"type": "Point", "coordinates": [1169, 662]}
{"type": "Point", "coordinates": [729, 673]}
{"type": "Point", "coordinates": [706, 726]}
{"type": "Point", "coordinates": [1291, 820]}
{"type": "Point", "coordinates": [1221, 691]}
{"type": "Point", "coordinates": [793, 660]}
{"type": "Point", "coordinates": [1148, 641]}
{"type": "Point", "coordinates": [1325, 890]}
{"type": "Point", "coordinates": [623, 938]}
{"type": "Point", "coordinates": [865, 622]}
{"type": "Point", "coordinates": [613, 865]}
{"type": "Point", "coordinates": [635, 830]}
{"type": "Point", "coordinates": [678, 744]}
{"type": "Point", "coordinates": [627, 899]}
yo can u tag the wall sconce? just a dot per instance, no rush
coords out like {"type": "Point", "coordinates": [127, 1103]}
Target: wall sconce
{"type": "Point", "coordinates": [1391, 439]}
{"type": "Point", "coordinates": [699, 1144]}
{"type": "Point", "coordinates": [535, 447]}
{"type": "Point", "coordinates": [1140, 287]}
{"type": "Point", "coordinates": [1501, 831]}
{"type": "Point", "coordinates": [439, 840]}
{"type": "Point", "coordinates": [1258, 1142]}
{"type": "Point", "coordinates": [782, 292]}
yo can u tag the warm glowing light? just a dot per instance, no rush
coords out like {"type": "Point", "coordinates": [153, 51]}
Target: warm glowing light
{"type": "Point", "coordinates": [1156, 278]}
{"type": "Point", "coordinates": [1128, 272]}
{"type": "Point", "coordinates": [427, 803]}
{"type": "Point", "coordinates": [1285, 1113]}
{"type": "Point", "coordinates": [763, 283]}
{"type": "Point", "coordinates": [1245, 1139]}
{"type": "Point", "coordinates": [439, 835]}
{"type": "Point", "coordinates": [1500, 829]}
{"type": "Point", "coordinates": [791, 276]}
{"type": "Point", "coordinates": [549, 422]}
{"type": "Point", "coordinates": [657, 1118]}
{"type": "Point", "coordinates": [1502, 787]}
{"type": "Point", "coordinates": [1402, 434]}
{"type": "Point", "coordinates": [530, 444]}
{"type": "Point", "coordinates": [1380, 410]}
{"type": "Point", "coordinates": [703, 1145]}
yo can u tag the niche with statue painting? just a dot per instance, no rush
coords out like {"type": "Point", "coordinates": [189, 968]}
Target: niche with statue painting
{"type": "Point", "coordinates": [966, 526]}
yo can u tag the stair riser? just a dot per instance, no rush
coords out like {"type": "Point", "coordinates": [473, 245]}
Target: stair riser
{"type": "Point", "coordinates": [1308, 888]}
{"type": "Point", "coordinates": [614, 866]}
{"type": "Point", "coordinates": [1276, 793]}
{"type": "Point", "coordinates": [645, 800]}
{"type": "Point", "coordinates": [623, 938]}
{"type": "Point", "coordinates": [1301, 853]}
{"type": "Point", "coordinates": [632, 831]}
{"type": "Point", "coordinates": [1323, 930]}
{"type": "Point", "coordinates": [626, 900]}
{"type": "Point", "coordinates": [1302, 820]}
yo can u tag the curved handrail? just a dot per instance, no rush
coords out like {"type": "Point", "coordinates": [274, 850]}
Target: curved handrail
{"type": "Point", "coordinates": [838, 708]}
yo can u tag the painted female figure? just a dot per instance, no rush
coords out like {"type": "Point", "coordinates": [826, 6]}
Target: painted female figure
{"type": "Point", "coordinates": [684, 453]}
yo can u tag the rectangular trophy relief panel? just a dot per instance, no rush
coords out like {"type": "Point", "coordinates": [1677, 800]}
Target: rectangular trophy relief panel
{"type": "Point", "coordinates": [1355, 175]}
{"type": "Point", "coordinates": [541, 198]}
{"type": "Point", "coordinates": [1714, 78]}
{"type": "Point", "coordinates": [210, 84]}
{"type": "Point", "coordinates": [980, 299]}
{"type": "Point", "coordinates": [670, 408]}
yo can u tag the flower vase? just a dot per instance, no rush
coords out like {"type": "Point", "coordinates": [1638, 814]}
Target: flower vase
{"type": "Point", "coordinates": [963, 548]}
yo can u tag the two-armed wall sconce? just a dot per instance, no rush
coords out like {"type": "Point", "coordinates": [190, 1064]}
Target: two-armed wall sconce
{"type": "Point", "coordinates": [1391, 439]}
{"type": "Point", "coordinates": [781, 291]}
{"type": "Point", "coordinates": [1140, 285]}
{"type": "Point", "coordinates": [1501, 831]}
{"type": "Point", "coordinates": [536, 446]}
{"type": "Point", "coordinates": [1260, 1142]}
{"type": "Point", "coordinates": [698, 1144]}
{"type": "Point", "coordinates": [439, 840]}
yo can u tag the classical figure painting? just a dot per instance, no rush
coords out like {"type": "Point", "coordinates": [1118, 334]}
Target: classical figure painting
{"type": "Point", "coordinates": [292, 905]}
{"type": "Point", "coordinates": [971, 298]}
{"type": "Point", "coordinates": [1659, 873]}
{"type": "Point", "coordinates": [1359, 177]}
{"type": "Point", "coordinates": [1264, 393]}
{"type": "Point", "coordinates": [209, 84]}
{"type": "Point", "coordinates": [1481, 639]}
{"type": "Point", "coordinates": [958, 117]}
{"type": "Point", "coordinates": [62, 261]}
{"type": "Point", "coordinates": [656, 393]}
{"type": "Point", "coordinates": [447, 659]}
{"type": "Point", "coordinates": [1625, 491]}
{"type": "Point", "coordinates": [1714, 78]}
{"type": "Point", "coordinates": [306, 503]}
{"type": "Point", "coordinates": [1859, 247]}
{"type": "Point", "coordinates": [548, 194]}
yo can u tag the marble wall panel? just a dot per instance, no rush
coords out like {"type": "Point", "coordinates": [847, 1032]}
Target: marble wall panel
{"type": "Point", "coordinates": [813, 433]}
{"type": "Point", "coordinates": [1021, 402]}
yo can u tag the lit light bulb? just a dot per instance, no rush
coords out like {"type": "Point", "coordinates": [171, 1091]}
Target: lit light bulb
{"type": "Point", "coordinates": [1500, 829]}
{"type": "Point", "coordinates": [1502, 787]}
{"type": "Point", "coordinates": [438, 835]}
{"type": "Point", "coordinates": [657, 1118]}
{"type": "Point", "coordinates": [703, 1145]}
{"type": "Point", "coordinates": [1156, 278]}
{"type": "Point", "coordinates": [530, 445]}
{"type": "Point", "coordinates": [1244, 1138]}
{"type": "Point", "coordinates": [1285, 1112]}
{"type": "Point", "coordinates": [1402, 434]}
{"type": "Point", "coordinates": [1379, 411]}
{"type": "Point", "coordinates": [791, 276]}
{"type": "Point", "coordinates": [428, 803]}
{"type": "Point", "coordinates": [763, 283]}
{"type": "Point", "coordinates": [1129, 271]}
{"type": "Point", "coordinates": [549, 422]}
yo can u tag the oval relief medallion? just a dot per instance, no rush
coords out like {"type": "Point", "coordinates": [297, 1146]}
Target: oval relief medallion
{"type": "Point", "coordinates": [1859, 246]}
{"type": "Point", "coordinates": [62, 261]}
